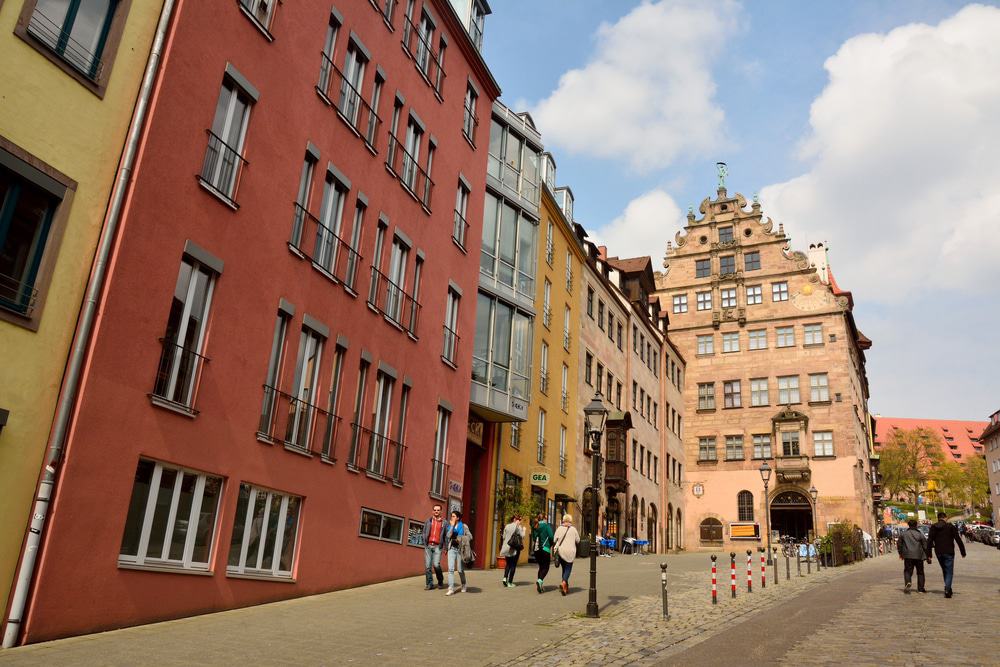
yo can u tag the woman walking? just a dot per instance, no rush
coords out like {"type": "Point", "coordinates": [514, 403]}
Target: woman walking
{"type": "Point", "coordinates": [566, 540]}
{"type": "Point", "coordinates": [513, 543]}
{"type": "Point", "coordinates": [452, 536]}
{"type": "Point", "coordinates": [542, 541]}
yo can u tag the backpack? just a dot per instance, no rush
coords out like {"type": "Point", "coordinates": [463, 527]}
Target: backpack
{"type": "Point", "coordinates": [465, 547]}
{"type": "Point", "coordinates": [516, 542]}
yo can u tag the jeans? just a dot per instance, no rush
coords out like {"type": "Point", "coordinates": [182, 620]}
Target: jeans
{"type": "Point", "coordinates": [455, 560]}
{"type": "Point", "coordinates": [947, 568]}
{"type": "Point", "coordinates": [544, 559]}
{"type": "Point", "coordinates": [511, 566]}
{"type": "Point", "coordinates": [908, 565]}
{"type": "Point", "coordinates": [432, 557]}
{"type": "Point", "coordinates": [566, 569]}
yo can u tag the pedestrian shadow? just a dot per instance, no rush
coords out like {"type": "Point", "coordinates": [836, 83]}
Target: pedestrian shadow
{"type": "Point", "coordinates": [473, 589]}
{"type": "Point", "coordinates": [613, 600]}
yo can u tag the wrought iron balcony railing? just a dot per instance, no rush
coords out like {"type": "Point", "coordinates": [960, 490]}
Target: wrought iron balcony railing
{"type": "Point", "coordinates": [52, 35]}
{"type": "Point", "coordinates": [460, 230]}
{"type": "Point", "coordinates": [376, 454]}
{"type": "Point", "coordinates": [177, 374]}
{"type": "Point", "coordinates": [541, 450]}
{"type": "Point", "coordinates": [297, 423]}
{"type": "Point", "coordinates": [469, 123]}
{"type": "Point", "coordinates": [17, 296]}
{"type": "Point", "coordinates": [428, 62]}
{"type": "Point", "coordinates": [451, 339]}
{"type": "Point", "coordinates": [390, 300]}
{"type": "Point", "coordinates": [439, 478]}
{"type": "Point", "coordinates": [543, 382]}
{"type": "Point", "coordinates": [410, 173]}
{"type": "Point", "coordinates": [328, 252]}
{"type": "Point", "coordinates": [222, 168]}
{"type": "Point", "coordinates": [348, 100]}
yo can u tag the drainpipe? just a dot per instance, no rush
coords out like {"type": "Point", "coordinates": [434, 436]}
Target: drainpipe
{"type": "Point", "coordinates": [88, 314]}
{"type": "Point", "coordinates": [496, 490]}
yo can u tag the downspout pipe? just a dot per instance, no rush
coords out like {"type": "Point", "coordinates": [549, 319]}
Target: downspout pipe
{"type": "Point", "coordinates": [85, 327]}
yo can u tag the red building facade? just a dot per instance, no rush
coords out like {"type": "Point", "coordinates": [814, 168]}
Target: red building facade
{"type": "Point", "coordinates": [277, 388]}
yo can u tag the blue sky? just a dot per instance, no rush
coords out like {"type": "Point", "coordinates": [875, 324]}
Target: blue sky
{"type": "Point", "coordinates": [868, 125]}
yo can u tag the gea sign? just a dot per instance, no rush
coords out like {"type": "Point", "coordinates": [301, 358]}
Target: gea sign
{"type": "Point", "coordinates": [540, 478]}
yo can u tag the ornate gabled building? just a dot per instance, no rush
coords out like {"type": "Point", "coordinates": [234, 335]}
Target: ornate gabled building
{"type": "Point", "coordinates": [775, 373]}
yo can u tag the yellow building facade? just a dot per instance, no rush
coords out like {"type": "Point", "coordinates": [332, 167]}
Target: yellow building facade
{"type": "Point", "coordinates": [71, 74]}
{"type": "Point", "coordinates": [538, 457]}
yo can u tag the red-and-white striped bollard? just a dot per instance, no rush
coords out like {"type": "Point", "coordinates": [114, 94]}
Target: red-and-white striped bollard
{"type": "Point", "coordinates": [732, 566]}
{"type": "Point", "coordinates": [763, 570]}
{"type": "Point", "coordinates": [749, 571]}
{"type": "Point", "coordinates": [715, 595]}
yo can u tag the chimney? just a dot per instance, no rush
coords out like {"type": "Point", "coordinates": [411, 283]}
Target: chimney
{"type": "Point", "coordinates": [818, 258]}
{"type": "Point", "coordinates": [602, 253]}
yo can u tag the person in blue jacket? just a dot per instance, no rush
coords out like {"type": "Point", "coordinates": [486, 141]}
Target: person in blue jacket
{"type": "Point", "coordinates": [452, 536]}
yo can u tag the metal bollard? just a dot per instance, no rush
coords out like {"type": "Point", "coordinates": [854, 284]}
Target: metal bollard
{"type": "Point", "coordinates": [763, 569]}
{"type": "Point", "coordinates": [809, 568]}
{"type": "Point", "coordinates": [819, 559]}
{"type": "Point", "coordinates": [732, 566]}
{"type": "Point", "coordinates": [777, 575]}
{"type": "Point", "coordinates": [798, 560]}
{"type": "Point", "coordinates": [788, 568]}
{"type": "Point", "coordinates": [749, 572]}
{"type": "Point", "coordinates": [715, 595]}
{"type": "Point", "coordinates": [663, 580]}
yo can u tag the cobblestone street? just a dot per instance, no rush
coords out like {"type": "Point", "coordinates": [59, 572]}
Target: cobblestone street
{"type": "Point", "coordinates": [855, 614]}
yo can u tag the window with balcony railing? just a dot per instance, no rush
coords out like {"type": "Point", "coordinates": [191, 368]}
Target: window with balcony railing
{"type": "Point", "coordinates": [327, 251]}
{"type": "Point", "coordinates": [417, 41]}
{"type": "Point", "coordinates": [298, 424]}
{"type": "Point", "coordinates": [540, 451]}
{"type": "Point", "coordinates": [412, 176]}
{"type": "Point", "coordinates": [391, 300]}
{"type": "Point", "coordinates": [376, 454]}
{"type": "Point", "coordinates": [470, 120]}
{"type": "Point", "coordinates": [344, 93]}
{"type": "Point", "coordinates": [74, 31]}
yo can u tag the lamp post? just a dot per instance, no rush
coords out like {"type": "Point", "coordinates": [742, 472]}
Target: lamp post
{"type": "Point", "coordinates": [814, 493]}
{"type": "Point", "coordinates": [765, 474]}
{"type": "Point", "coordinates": [594, 416]}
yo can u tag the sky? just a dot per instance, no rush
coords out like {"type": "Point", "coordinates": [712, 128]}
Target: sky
{"type": "Point", "coordinates": [873, 127]}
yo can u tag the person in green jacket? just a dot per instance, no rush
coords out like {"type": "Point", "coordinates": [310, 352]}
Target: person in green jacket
{"type": "Point", "coordinates": [541, 539]}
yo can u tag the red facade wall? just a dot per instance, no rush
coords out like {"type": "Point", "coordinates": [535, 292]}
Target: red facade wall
{"type": "Point", "coordinates": [79, 586]}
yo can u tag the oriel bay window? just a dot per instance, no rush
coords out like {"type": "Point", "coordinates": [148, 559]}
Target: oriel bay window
{"type": "Point", "coordinates": [501, 356]}
{"type": "Point", "coordinates": [224, 157]}
{"type": "Point", "coordinates": [508, 251]}
{"type": "Point", "coordinates": [184, 339]}
{"type": "Point", "coordinates": [264, 533]}
{"type": "Point", "coordinates": [171, 518]}
{"type": "Point", "coordinates": [514, 163]}
{"type": "Point", "coordinates": [790, 443]}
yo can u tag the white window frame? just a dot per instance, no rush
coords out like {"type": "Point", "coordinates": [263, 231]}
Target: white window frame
{"type": "Point", "coordinates": [182, 330]}
{"type": "Point", "coordinates": [762, 446]}
{"type": "Point", "coordinates": [812, 334]}
{"type": "Point", "coordinates": [706, 344]}
{"type": "Point", "coordinates": [784, 336]}
{"type": "Point", "coordinates": [305, 388]}
{"type": "Point", "coordinates": [754, 295]}
{"type": "Point", "coordinates": [779, 291]}
{"type": "Point", "coordinates": [819, 387]}
{"type": "Point", "coordinates": [540, 453]}
{"type": "Point", "coordinates": [759, 392]}
{"type": "Point", "coordinates": [229, 95]}
{"type": "Point", "coordinates": [788, 389]}
{"type": "Point", "coordinates": [680, 303]}
{"type": "Point", "coordinates": [731, 342]}
{"type": "Point", "coordinates": [562, 450]}
{"type": "Point", "coordinates": [727, 297]}
{"type": "Point", "coordinates": [275, 571]}
{"type": "Point", "coordinates": [704, 300]}
{"type": "Point", "coordinates": [451, 324]}
{"type": "Point", "coordinates": [757, 339]}
{"type": "Point", "coordinates": [823, 443]}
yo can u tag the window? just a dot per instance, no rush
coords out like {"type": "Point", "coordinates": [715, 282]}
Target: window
{"type": "Point", "coordinates": [451, 327]}
{"type": "Point", "coordinates": [731, 342]}
{"type": "Point", "coordinates": [790, 443]}
{"type": "Point", "coordinates": [171, 517]}
{"type": "Point", "coordinates": [566, 318]}
{"type": "Point", "coordinates": [779, 291]}
{"type": "Point", "coordinates": [264, 533]}
{"type": "Point", "coordinates": [26, 219]}
{"type": "Point", "coordinates": [439, 470]}
{"type": "Point", "coordinates": [725, 234]}
{"type": "Point", "coordinates": [734, 447]}
{"type": "Point", "coordinates": [349, 100]}
{"type": "Point", "coordinates": [184, 339]}
{"type": "Point", "coordinates": [710, 531]}
{"type": "Point", "coordinates": [588, 364]}
{"type": "Point", "coordinates": [754, 295]}
{"type": "Point", "coordinates": [547, 304]}
{"type": "Point", "coordinates": [260, 11]}
{"type": "Point", "coordinates": [706, 344]}
{"type": "Point", "coordinates": [635, 339]}
{"type": "Point", "coordinates": [706, 395]}
{"type": "Point", "coordinates": [728, 296]}
{"type": "Point", "coordinates": [515, 435]}
{"type": "Point", "coordinates": [562, 451]}
{"type": "Point", "coordinates": [744, 506]}
{"type": "Point", "coordinates": [540, 453]}
{"type": "Point", "coordinates": [379, 436]}
{"type": "Point", "coordinates": [618, 395]}
{"type": "Point", "coordinates": [396, 297]}
{"type": "Point", "coordinates": [823, 442]}
{"type": "Point", "coordinates": [785, 336]}
{"type": "Point", "coordinates": [731, 394]}
{"type": "Point", "coordinates": [471, 120]}
{"type": "Point", "coordinates": [600, 377]}
{"type": "Point", "coordinates": [681, 303]}
{"type": "Point", "coordinates": [702, 268]}
{"type": "Point", "coordinates": [411, 155]}
{"type": "Point", "coordinates": [543, 369]}
{"type": "Point", "coordinates": [508, 249]}
{"type": "Point", "coordinates": [565, 387]}
{"type": "Point", "coordinates": [762, 446]}
{"type": "Point", "coordinates": [590, 302]}
{"type": "Point", "coordinates": [333, 404]}
{"type": "Point", "coordinates": [76, 33]}
{"type": "Point", "coordinates": [326, 64]}
{"type": "Point", "coordinates": [704, 300]}
{"type": "Point", "coordinates": [751, 261]}
{"type": "Point", "coordinates": [788, 389]}
{"type": "Point", "coordinates": [611, 326]}
{"type": "Point", "coordinates": [600, 315]}
{"type": "Point", "coordinates": [302, 407]}
{"type": "Point", "coordinates": [758, 339]}
{"type": "Point", "coordinates": [706, 449]}
{"type": "Point", "coordinates": [272, 379]}
{"type": "Point", "coordinates": [621, 344]}
{"type": "Point", "coordinates": [813, 334]}
{"type": "Point", "coordinates": [727, 264]}
{"type": "Point", "coordinates": [381, 526]}
{"type": "Point", "coordinates": [819, 388]}
{"type": "Point", "coordinates": [224, 156]}
{"type": "Point", "coordinates": [758, 392]}
{"type": "Point", "coordinates": [635, 393]}
{"type": "Point", "coordinates": [569, 271]}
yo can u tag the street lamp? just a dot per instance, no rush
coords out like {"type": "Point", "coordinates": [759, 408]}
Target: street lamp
{"type": "Point", "coordinates": [765, 474]}
{"type": "Point", "coordinates": [814, 493]}
{"type": "Point", "coordinates": [594, 416]}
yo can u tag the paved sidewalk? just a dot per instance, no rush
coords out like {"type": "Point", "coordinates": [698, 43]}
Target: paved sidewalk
{"type": "Point", "coordinates": [398, 623]}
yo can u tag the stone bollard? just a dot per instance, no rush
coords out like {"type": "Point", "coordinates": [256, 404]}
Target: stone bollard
{"type": "Point", "coordinates": [763, 569]}
{"type": "Point", "coordinates": [732, 566]}
{"type": "Point", "coordinates": [715, 595]}
{"type": "Point", "coordinates": [749, 572]}
{"type": "Point", "coordinates": [663, 580]}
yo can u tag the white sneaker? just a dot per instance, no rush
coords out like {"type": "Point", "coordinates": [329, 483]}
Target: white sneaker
{"type": "Point", "coordinates": [451, 591]}
{"type": "Point", "coordinates": [463, 589]}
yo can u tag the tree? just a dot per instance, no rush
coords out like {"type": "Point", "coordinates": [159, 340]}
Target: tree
{"type": "Point", "coordinates": [979, 482]}
{"type": "Point", "coordinates": [954, 482]}
{"type": "Point", "coordinates": [909, 460]}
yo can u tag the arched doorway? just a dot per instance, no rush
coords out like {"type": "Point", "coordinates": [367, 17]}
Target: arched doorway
{"type": "Point", "coordinates": [710, 532]}
{"type": "Point", "coordinates": [670, 526]}
{"type": "Point", "coordinates": [651, 528]}
{"type": "Point", "coordinates": [642, 518]}
{"type": "Point", "coordinates": [633, 518]}
{"type": "Point", "coordinates": [678, 532]}
{"type": "Point", "coordinates": [612, 517]}
{"type": "Point", "coordinates": [791, 514]}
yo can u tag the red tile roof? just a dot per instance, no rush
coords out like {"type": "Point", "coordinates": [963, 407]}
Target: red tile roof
{"type": "Point", "coordinates": [961, 433]}
{"type": "Point", "coordinates": [631, 264]}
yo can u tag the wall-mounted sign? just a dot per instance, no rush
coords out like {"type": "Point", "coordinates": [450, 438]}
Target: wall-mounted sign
{"type": "Point", "coordinates": [744, 531]}
{"type": "Point", "coordinates": [540, 478]}
{"type": "Point", "coordinates": [454, 488]}
{"type": "Point", "coordinates": [698, 489]}
{"type": "Point", "coordinates": [517, 405]}
{"type": "Point", "coordinates": [475, 432]}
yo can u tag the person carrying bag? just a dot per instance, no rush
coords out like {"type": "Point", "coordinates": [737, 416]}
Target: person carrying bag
{"type": "Point", "coordinates": [565, 555]}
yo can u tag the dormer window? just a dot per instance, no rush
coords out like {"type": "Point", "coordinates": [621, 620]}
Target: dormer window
{"type": "Point", "coordinates": [476, 22]}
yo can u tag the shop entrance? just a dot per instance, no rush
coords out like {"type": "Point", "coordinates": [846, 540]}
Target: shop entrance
{"type": "Point", "coordinates": [791, 515]}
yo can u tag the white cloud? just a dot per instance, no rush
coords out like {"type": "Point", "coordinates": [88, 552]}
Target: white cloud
{"type": "Point", "coordinates": [647, 94]}
{"type": "Point", "coordinates": [904, 179]}
{"type": "Point", "coordinates": [641, 228]}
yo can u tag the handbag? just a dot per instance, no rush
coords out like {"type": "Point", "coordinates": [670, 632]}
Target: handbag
{"type": "Point", "coordinates": [516, 542]}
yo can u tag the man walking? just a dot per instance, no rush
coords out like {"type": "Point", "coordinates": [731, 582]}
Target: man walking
{"type": "Point", "coordinates": [942, 539]}
{"type": "Point", "coordinates": [912, 548]}
{"type": "Point", "coordinates": [433, 535]}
